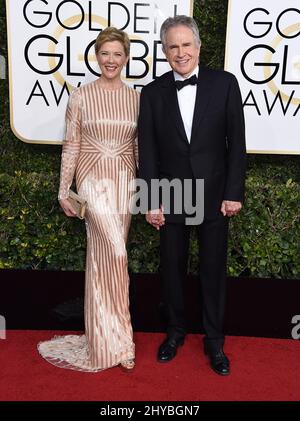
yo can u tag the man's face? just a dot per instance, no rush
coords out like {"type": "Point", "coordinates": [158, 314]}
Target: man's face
{"type": "Point", "coordinates": [182, 50]}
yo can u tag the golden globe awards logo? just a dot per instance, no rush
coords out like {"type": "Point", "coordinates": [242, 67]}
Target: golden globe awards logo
{"type": "Point", "coordinates": [257, 26]}
{"type": "Point", "coordinates": [51, 51]}
{"type": "Point", "coordinates": [265, 57]}
{"type": "Point", "coordinates": [86, 20]}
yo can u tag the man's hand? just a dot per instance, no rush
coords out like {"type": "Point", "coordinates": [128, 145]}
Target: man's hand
{"type": "Point", "coordinates": [155, 217]}
{"type": "Point", "coordinates": [230, 208]}
{"type": "Point", "coordinates": [67, 207]}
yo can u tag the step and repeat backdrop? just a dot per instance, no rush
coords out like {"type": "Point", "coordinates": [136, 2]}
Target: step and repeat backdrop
{"type": "Point", "coordinates": [51, 52]}
{"type": "Point", "coordinates": [263, 51]}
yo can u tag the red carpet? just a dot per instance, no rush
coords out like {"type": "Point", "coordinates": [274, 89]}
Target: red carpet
{"type": "Point", "coordinates": [262, 369]}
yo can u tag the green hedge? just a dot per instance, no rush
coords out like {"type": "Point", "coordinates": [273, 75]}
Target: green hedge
{"type": "Point", "coordinates": [264, 238]}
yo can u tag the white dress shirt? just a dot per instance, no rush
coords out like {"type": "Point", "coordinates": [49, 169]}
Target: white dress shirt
{"type": "Point", "coordinates": [186, 100]}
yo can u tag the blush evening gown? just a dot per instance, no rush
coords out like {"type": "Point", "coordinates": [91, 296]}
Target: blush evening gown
{"type": "Point", "coordinates": [100, 148]}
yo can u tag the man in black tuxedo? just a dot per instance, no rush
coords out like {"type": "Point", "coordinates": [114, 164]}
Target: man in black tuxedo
{"type": "Point", "coordinates": [191, 126]}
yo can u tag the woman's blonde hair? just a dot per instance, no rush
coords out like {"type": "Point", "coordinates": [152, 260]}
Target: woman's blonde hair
{"type": "Point", "coordinates": [112, 34]}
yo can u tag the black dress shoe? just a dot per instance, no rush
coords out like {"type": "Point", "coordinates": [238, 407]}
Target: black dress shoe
{"type": "Point", "coordinates": [168, 349]}
{"type": "Point", "coordinates": [219, 362]}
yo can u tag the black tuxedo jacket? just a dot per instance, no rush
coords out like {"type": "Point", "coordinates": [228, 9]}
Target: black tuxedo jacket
{"type": "Point", "coordinates": [216, 152]}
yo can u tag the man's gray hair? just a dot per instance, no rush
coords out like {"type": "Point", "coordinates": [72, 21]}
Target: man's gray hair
{"type": "Point", "coordinates": [176, 21]}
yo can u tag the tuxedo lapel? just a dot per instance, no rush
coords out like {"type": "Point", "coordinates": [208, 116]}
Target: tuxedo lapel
{"type": "Point", "coordinates": [203, 96]}
{"type": "Point", "coordinates": [171, 99]}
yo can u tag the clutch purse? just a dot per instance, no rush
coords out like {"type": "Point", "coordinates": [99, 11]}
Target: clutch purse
{"type": "Point", "coordinates": [78, 204]}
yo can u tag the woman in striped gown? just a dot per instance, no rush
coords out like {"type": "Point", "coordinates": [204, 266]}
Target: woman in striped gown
{"type": "Point", "coordinates": [100, 148]}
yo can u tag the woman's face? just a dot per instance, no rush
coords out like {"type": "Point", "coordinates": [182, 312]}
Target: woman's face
{"type": "Point", "coordinates": [111, 58]}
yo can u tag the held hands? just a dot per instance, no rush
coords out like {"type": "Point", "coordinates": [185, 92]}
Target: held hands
{"type": "Point", "coordinates": [67, 207]}
{"type": "Point", "coordinates": [155, 217]}
{"type": "Point", "coordinates": [230, 208]}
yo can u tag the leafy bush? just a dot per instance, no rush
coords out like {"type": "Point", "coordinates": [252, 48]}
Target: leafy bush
{"type": "Point", "coordinates": [34, 232]}
{"type": "Point", "coordinates": [264, 238]}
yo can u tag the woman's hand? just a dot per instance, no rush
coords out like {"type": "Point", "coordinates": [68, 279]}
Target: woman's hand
{"type": "Point", "coordinates": [156, 217]}
{"type": "Point", "coordinates": [67, 207]}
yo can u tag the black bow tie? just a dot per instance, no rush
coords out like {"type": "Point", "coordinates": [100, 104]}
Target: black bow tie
{"type": "Point", "coordinates": [182, 83]}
